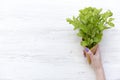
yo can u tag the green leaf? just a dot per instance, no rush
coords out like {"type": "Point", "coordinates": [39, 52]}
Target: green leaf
{"type": "Point", "coordinates": [98, 38]}
{"type": "Point", "coordinates": [111, 19]}
{"type": "Point", "coordinates": [111, 24]}
{"type": "Point", "coordinates": [91, 41]}
{"type": "Point", "coordinates": [84, 43]}
{"type": "Point", "coordinates": [101, 27]}
{"type": "Point", "coordinates": [81, 34]}
{"type": "Point", "coordinates": [69, 20]}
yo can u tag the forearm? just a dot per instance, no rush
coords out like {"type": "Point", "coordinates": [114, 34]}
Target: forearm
{"type": "Point", "coordinates": [100, 75]}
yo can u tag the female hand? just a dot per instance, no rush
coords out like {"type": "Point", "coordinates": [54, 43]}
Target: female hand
{"type": "Point", "coordinates": [96, 63]}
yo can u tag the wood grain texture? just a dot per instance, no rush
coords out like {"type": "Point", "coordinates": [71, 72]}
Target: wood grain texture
{"type": "Point", "coordinates": [36, 42]}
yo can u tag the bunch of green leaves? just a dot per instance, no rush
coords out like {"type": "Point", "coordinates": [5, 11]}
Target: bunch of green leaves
{"type": "Point", "coordinates": [91, 23]}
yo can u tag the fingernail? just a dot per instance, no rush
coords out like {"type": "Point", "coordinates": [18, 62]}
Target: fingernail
{"type": "Point", "coordinates": [87, 49]}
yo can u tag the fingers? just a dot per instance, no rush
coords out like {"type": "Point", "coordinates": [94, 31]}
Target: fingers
{"type": "Point", "coordinates": [84, 53]}
{"type": "Point", "coordinates": [89, 53]}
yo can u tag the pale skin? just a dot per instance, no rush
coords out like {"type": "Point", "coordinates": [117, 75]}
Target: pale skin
{"type": "Point", "coordinates": [96, 64]}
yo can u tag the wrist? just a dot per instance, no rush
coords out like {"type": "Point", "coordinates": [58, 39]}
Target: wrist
{"type": "Point", "coordinates": [100, 74]}
{"type": "Point", "coordinates": [99, 69]}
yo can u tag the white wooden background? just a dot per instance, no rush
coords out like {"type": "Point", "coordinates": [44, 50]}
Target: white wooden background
{"type": "Point", "coordinates": [36, 42]}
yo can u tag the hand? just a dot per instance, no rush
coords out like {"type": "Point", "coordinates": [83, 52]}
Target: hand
{"type": "Point", "coordinates": [95, 59]}
{"type": "Point", "coordinates": [96, 63]}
